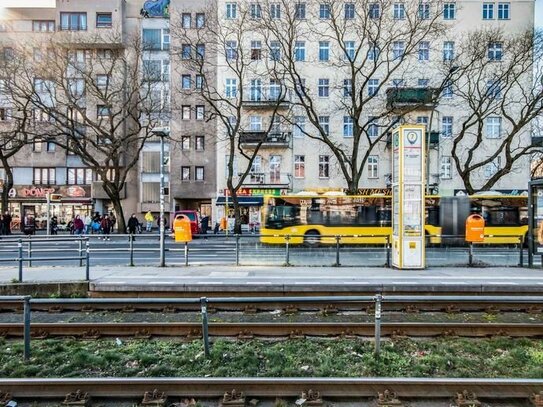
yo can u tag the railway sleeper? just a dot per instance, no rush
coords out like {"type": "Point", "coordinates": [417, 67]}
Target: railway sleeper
{"type": "Point", "coordinates": [185, 403]}
{"type": "Point", "coordinates": [296, 334]}
{"type": "Point", "coordinates": [5, 398]}
{"type": "Point", "coordinates": [245, 335]}
{"type": "Point", "coordinates": [311, 398]}
{"type": "Point", "coordinates": [466, 399]}
{"type": "Point", "coordinates": [250, 310]}
{"type": "Point", "coordinates": [142, 334]}
{"type": "Point", "coordinates": [233, 398]}
{"type": "Point", "coordinates": [91, 334]}
{"type": "Point", "coordinates": [77, 398]}
{"type": "Point", "coordinates": [537, 399]}
{"type": "Point", "coordinates": [194, 334]}
{"type": "Point", "coordinates": [329, 309]}
{"type": "Point", "coordinates": [388, 399]}
{"type": "Point", "coordinates": [154, 398]}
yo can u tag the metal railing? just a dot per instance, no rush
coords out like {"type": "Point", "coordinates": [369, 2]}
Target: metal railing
{"type": "Point", "coordinates": [378, 299]}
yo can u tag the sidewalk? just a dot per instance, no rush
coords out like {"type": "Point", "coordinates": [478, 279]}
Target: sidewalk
{"type": "Point", "coordinates": [283, 279]}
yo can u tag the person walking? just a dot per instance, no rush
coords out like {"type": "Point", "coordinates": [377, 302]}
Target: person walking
{"type": "Point", "coordinates": [204, 225]}
{"type": "Point", "coordinates": [113, 220]}
{"type": "Point", "coordinates": [79, 226]}
{"type": "Point", "coordinates": [54, 226]}
{"type": "Point", "coordinates": [149, 219]}
{"type": "Point", "coordinates": [6, 223]}
{"type": "Point", "coordinates": [106, 226]}
{"type": "Point", "coordinates": [88, 224]}
{"type": "Point", "coordinates": [133, 224]}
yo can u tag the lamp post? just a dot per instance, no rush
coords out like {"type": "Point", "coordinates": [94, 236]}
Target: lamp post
{"type": "Point", "coordinates": [162, 132]}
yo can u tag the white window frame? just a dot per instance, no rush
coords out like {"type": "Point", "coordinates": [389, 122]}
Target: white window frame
{"type": "Point", "coordinates": [373, 166]}
{"type": "Point", "coordinates": [231, 10]}
{"type": "Point", "coordinates": [324, 166]}
{"type": "Point", "coordinates": [493, 127]}
{"type": "Point", "coordinates": [299, 166]}
{"type": "Point", "coordinates": [399, 11]}
{"type": "Point", "coordinates": [348, 126]}
{"type": "Point", "coordinates": [445, 171]}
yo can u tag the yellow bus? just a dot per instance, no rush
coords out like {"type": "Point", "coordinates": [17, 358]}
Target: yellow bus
{"type": "Point", "coordinates": [312, 219]}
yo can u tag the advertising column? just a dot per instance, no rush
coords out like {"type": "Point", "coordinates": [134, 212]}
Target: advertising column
{"type": "Point", "coordinates": [408, 242]}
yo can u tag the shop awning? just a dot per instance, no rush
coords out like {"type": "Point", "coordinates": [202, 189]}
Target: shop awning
{"type": "Point", "coordinates": [243, 200]}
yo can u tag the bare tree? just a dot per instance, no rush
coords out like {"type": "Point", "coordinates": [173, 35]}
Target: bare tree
{"type": "Point", "coordinates": [100, 104]}
{"type": "Point", "coordinates": [364, 48]}
{"type": "Point", "coordinates": [225, 51]}
{"type": "Point", "coordinates": [499, 90]}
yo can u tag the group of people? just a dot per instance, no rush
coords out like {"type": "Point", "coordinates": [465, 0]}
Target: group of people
{"type": "Point", "coordinates": [95, 224]}
{"type": "Point", "coordinates": [5, 223]}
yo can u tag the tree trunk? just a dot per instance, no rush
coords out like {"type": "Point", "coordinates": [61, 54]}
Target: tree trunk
{"type": "Point", "coordinates": [8, 184]}
{"type": "Point", "coordinates": [121, 225]}
{"type": "Point", "coordinates": [237, 212]}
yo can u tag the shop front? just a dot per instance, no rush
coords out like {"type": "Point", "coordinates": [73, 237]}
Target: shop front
{"type": "Point", "coordinates": [29, 202]}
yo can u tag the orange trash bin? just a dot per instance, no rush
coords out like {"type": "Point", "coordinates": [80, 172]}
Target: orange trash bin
{"type": "Point", "coordinates": [181, 229]}
{"type": "Point", "coordinates": [475, 228]}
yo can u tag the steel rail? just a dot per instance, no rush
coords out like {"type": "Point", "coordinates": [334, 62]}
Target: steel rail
{"type": "Point", "coordinates": [272, 387]}
{"type": "Point", "coordinates": [271, 330]}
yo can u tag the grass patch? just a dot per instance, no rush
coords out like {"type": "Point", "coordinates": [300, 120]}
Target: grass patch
{"type": "Point", "coordinates": [446, 357]}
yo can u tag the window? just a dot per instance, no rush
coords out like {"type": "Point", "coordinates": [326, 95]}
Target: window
{"type": "Point", "coordinates": [373, 127]}
{"type": "Point", "coordinates": [200, 51]}
{"type": "Point", "coordinates": [274, 92]}
{"type": "Point", "coordinates": [349, 50]}
{"type": "Point", "coordinates": [373, 87]}
{"type": "Point", "coordinates": [349, 11]}
{"type": "Point", "coordinates": [299, 50]}
{"type": "Point", "coordinates": [299, 11]}
{"type": "Point", "coordinates": [324, 11]}
{"type": "Point", "coordinates": [73, 21]}
{"type": "Point", "coordinates": [324, 123]}
{"type": "Point", "coordinates": [493, 167]}
{"type": "Point", "coordinates": [166, 39]}
{"type": "Point", "coordinates": [103, 111]}
{"type": "Point", "coordinates": [448, 90]}
{"type": "Point", "coordinates": [423, 83]}
{"type": "Point", "coordinates": [185, 142]}
{"type": "Point", "coordinates": [422, 120]}
{"type": "Point", "coordinates": [231, 11]}
{"type": "Point", "coordinates": [103, 20]}
{"type": "Point", "coordinates": [231, 88]}
{"type": "Point", "coordinates": [275, 51]}
{"type": "Point", "coordinates": [44, 176]}
{"type": "Point", "coordinates": [324, 166]}
{"type": "Point", "coordinates": [185, 112]}
{"type": "Point", "coordinates": [399, 11]}
{"type": "Point", "coordinates": [256, 168]}
{"type": "Point", "coordinates": [398, 83]}
{"type": "Point", "coordinates": [324, 51]}
{"type": "Point", "coordinates": [185, 173]}
{"type": "Point", "coordinates": [186, 81]}
{"type": "Point", "coordinates": [374, 11]}
{"type": "Point", "coordinates": [156, 39]}
{"type": "Point", "coordinates": [447, 126]}
{"type": "Point", "coordinates": [152, 70]}
{"type": "Point", "coordinates": [79, 176]}
{"type": "Point", "coordinates": [102, 80]}
{"type": "Point", "coordinates": [488, 11]}
{"type": "Point", "coordinates": [186, 20]}
{"type": "Point", "coordinates": [347, 87]}
{"type": "Point", "coordinates": [256, 10]}
{"type": "Point", "coordinates": [50, 146]}
{"type": "Point", "coordinates": [299, 166]}
{"type": "Point", "coordinates": [199, 144]}
{"type": "Point", "coordinates": [255, 91]}
{"type": "Point", "coordinates": [150, 192]}
{"type": "Point", "coordinates": [495, 51]}
{"type": "Point", "coordinates": [200, 20]}
{"type": "Point", "coordinates": [348, 125]}
{"type": "Point", "coordinates": [256, 50]}
{"type": "Point", "coordinates": [104, 53]}
{"type": "Point", "coordinates": [37, 145]}
{"type": "Point", "coordinates": [275, 11]}
{"type": "Point", "coordinates": [448, 50]}
{"type": "Point", "coordinates": [231, 50]}
{"type": "Point", "coordinates": [424, 51]}
{"type": "Point", "coordinates": [5, 114]}
{"type": "Point", "coordinates": [446, 167]}
{"type": "Point", "coordinates": [275, 169]}
{"type": "Point", "coordinates": [424, 11]}
{"type": "Point", "coordinates": [373, 166]}
{"type": "Point", "coordinates": [503, 11]}
{"type": "Point", "coordinates": [373, 52]}
{"type": "Point", "coordinates": [198, 173]}
{"type": "Point", "coordinates": [186, 51]}
{"type": "Point", "coordinates": [324, 88]}
{"type": "Point", "coordinates": [493, 127]}
{"type": "Point", "coordinates": [493, 88]}
{"type": "Point", "coordinates": [449, 11]}
{"type": "Point", "coordinates": [299, 126]}
{"type": "Point", "coordinates": [43, 26]}
{"type": "Point", "coordinates": [255, 123]}
{"type": "Point", "coordinates": [199, 83]}
{"type": "Point", "coordinates": [398, 49]}
{"type": "Point", "coordinates": [200, 112]}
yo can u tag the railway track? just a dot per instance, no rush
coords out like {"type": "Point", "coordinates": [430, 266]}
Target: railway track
{"type": "Point", "coordinates": [271, 330]}
{"type": "Point", "coordinates": [325, 388]}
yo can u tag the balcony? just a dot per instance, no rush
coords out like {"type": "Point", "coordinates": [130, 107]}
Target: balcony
{"type": "Point", "coordinates": [266, 97]}
{"type": "Point", "coordinates": [411, 98]}
{"type": "Point", "coordinates": [268, 180]}
{"type": "Point", "coordinates": [274, 139]}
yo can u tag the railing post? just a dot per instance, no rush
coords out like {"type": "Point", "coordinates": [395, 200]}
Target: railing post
{"type": "Point", "coordinates": [237, 249]}
{"type": "Point", "coordinates": [521, 252]}
{"type": "Point", "coordinates": [186, 253]}
{"type": "Point", "coordinates": [378, 300]}
{"type": "Point", "coordinates": [470, 254]}
{"type": "Point", "coordinates": [80, 251]}
{"type": "Point", "coordinates": [87, 261]}
{"type": "Point", "coordinates": [387, 264]}
{"type": "Point", "coordinates": [20, 259]}
{"type": "Point", "coordinates": [287, 250]}
{"type": "Point", "coordinates": [131, 249]}
{"type": "Point", "coordinates": [205, 330]}
{"type": "Point", "coordinates": [29, 251]}
{"type": "Point", "coordinates": [337, 251]}
{"type": "Point", "coordinates": [26, 321]}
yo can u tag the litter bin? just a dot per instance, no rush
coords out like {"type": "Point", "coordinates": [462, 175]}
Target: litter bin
{"type": "Point", "coordinates": [181, 229]}
{"type": "Point", "coordinates": [475, 228]}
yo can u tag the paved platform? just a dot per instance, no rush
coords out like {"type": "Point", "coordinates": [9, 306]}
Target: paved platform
{"type": "Point", "coordinates": [268, 279]}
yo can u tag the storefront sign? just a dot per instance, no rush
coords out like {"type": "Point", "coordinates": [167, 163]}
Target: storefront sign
{"type": "Point", "coordinates": [511, 192]}
{"type": "Point", "coordinates": [373, 191]}
{"type": "Point", "coordinates": [34, 191]}
{"type": "Point", "coordinates": [261, 191]}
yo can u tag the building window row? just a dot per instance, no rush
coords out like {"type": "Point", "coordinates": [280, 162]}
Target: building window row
{"type": "Point", "coordinates": [186, 173]}
{"type": "Point", "coordinates": [186, 112]}
{"type": "Point", "coordinates": [156, 39]}
{"type": "Point", "coordinates": [187, 143]}
{"type": "Point", "coordinates": [503, 11]}
{"type": "Point", "coordinates": [199, 20]}
{"type": "Point", "coordinates": [187, 81]}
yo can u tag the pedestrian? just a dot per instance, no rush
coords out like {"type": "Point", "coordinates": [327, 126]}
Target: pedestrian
{"type": "Point", "coordinates": [6, 223]}
{"type": "Point", "coordinates": [88, 222]}
{"type": "Point", "coordinates": [70, 227]}
{"type": "Point", "coordinates": [204, 224]}
{"type": "Point", "coordinates": [106, 226]}
{"type": "Point", "coordinates": [149, 218]}
{"type": "Point", "coordinates": [53, 226]}
{"type": "Point", "coordinates": [79, 226]}
{"type": "Point", "coordinates": [133, 224]}
{"type": "Point", "coordinates": [113, 220]}
{"type": "Point", "coordinates": [2, 229]}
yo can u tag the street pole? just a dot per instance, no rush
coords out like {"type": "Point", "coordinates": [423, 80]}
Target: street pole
{"type": "Point", "coordinates": [48, 197]}
{"type": "Point", "coordinates": [162, 260]}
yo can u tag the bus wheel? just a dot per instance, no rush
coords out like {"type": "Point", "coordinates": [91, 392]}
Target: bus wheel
{"type": "Point", "coordinates": [312, 238]}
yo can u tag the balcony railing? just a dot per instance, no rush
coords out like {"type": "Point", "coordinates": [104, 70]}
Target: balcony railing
{"type": "Point", "coordinates": [398, 98]}
{"type": "Point", "coordinates": [274, 138]}
{"type": "Point", "coordinates": [266, 96]}
{"type": "Point", "coordinates": [265, 179]}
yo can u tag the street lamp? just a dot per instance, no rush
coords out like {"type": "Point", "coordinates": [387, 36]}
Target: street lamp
{"type": "Point", "coordinates": [162, 132]}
